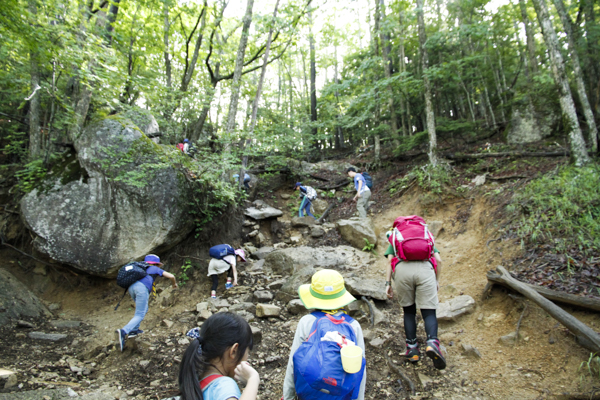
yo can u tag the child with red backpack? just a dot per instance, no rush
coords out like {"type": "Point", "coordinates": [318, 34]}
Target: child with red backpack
{"type": "Point", "coordinates": [315, 369]}
{"type": "Point", "coordinates": [415, 271]}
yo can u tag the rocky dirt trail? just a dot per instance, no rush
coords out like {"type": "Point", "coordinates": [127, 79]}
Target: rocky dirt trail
{"type": "Point", "coordinates": [483, 362]}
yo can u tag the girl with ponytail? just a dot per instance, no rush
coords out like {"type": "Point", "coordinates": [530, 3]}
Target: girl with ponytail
{"type": "Point", "coordinates": [217, 354]}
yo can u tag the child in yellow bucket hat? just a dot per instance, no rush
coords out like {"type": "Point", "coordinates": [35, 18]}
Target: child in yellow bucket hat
{"type": "Point", "coordinates": [326, 293]}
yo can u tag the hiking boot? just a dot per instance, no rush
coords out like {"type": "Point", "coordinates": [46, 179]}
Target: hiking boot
{"type": "Point", "coordinates": [135, 333]}
{"type": "Point", "coordinates": [121, 338]}
{"type": "Point", "coordinates": [434, 352]}
{"type": "Point", "coordinates": [412, 351]}
{"type": "Point", "coordinates": [228, 285]}
{"type": "Point", "coordinates": [213, 294]}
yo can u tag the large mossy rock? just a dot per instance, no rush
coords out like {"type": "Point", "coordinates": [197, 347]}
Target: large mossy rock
{"type": "Point", "coordinates": [528, 125]}
{"type": "Point", "coordinates": [356, 230]}
{"type": "Point", "coordinates": [128, 200]}
{"type": "Point", "coordinates": [16, 301]}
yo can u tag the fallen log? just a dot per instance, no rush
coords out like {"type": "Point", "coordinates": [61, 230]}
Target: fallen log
{"type": "Point", "coordinates": [398, 369]}
{"type": "Point", "coordinates": [326, 213]}
{"type": "Point", "coordinates": [339, 184]}
{"type": "Point", "coordinates": [501, 178]}
{"type": "Point", "coordinates": [591, 340]}
{"type": "Point", "coordinates": [587, 303]}
{"type": "Point", "coordinates": [561, 153]}
{"type": "Point", "coordinates": [319, 177]}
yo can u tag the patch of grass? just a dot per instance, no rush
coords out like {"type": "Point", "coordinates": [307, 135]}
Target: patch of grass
{"type": "Point", "coordinates": [591, 367]}
{"type": "Point", "coordinates": [561, 208]}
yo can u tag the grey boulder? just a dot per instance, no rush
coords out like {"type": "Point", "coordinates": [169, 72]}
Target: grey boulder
{"type": "Point", "coordinates": [286, 261]}
{"type": "Point", "coordinates": [362, 286]}
{"type": "Point", "coordinates": [454, 308]}
{"type": "Point", "coordinates": [356, 230]}
{"type": "Point", "coordinates": [120, 199]}
{"type": "Point", "coordinates": [301, 222]}
{"type": "Point", "coordinates": [261, 210]}
{"type": "Point", "coordinates": [16, 301]}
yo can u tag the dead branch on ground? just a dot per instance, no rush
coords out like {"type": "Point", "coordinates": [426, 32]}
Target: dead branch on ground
{"type": "Point", "coordinates": [326, 213]}
{"type": "Point", "coordinates": [397, 369]}
{"type": "Point", "coordinates": [587, 303]}
{"type": "Point", "coordinates": [591, 340]}
{"type": "Point", "coordinates": [561, 153]}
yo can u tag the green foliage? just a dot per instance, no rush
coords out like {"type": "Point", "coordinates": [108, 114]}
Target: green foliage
{"type": "Point", "coordinates": [591, 367]}
{"type": "Point", "coordinates": [562, 208]}
{"type": "Point", "coordinates": [31, 176]}
{"type": "Point", "coordinates": [408, 143]}
{"type": "Point", "coordinates": [183, 277]}
{"type": "Point", "coordinates": [369, 246]}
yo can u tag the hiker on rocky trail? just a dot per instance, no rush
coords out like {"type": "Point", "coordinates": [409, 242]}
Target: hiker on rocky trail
{"type": "Point", "coordinates": [224, 258]}
{"type": "Point", "coordinates": [330, 367]}
{"type": "Point", "coordinates": [189, 148]}
{"type": "Point", "coordinates": [307, 194]}
{"type": "Point", "coordinates": [363, 193]}
{"type": "Point", "coordinates": [140, 293]}
{"type": "Point", "coordinates": [414, 273]}
{"type": "Point", "coordinates": [246, 182]}
{"type": "Point", "coordinates": [217, 354]}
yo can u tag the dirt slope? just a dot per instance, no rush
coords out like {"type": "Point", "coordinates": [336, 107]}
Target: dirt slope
{"type": "Point", "coordinates": [543, 364]}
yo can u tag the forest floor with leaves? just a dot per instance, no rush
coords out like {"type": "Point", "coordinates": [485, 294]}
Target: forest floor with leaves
{"type": "Point", "coordinates": [544, 362]}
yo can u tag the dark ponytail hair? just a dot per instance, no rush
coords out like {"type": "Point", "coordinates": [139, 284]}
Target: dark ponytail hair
{"type": "Point", "coordinates": [217, 334]}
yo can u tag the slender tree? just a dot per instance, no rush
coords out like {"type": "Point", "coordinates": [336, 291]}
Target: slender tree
{"type": "Point", "coordinates": [237, 73]}
{"type": "Point", "coordinates": [585, 104]}
{"type": "Point", "coordinates": [429, 114]}
{"type": "Point", "coordinates": [579, 153]}
{"type": "Point", "coordinates": [313, 76]}
{"type": "Point", "coordinates": [35, 134]}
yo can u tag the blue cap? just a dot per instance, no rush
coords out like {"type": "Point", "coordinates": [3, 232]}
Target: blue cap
{"type": "Point", "coordinates": [152, 259]}
{"type": "Point", "coordinates": [297, 184]}
{"type": "Point", "coordinates": [185, 140]}
{"type": "Point", "coordinates": [236, 175]}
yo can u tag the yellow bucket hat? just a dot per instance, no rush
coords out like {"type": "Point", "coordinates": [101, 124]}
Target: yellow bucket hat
{"type": "Point", "coordinates": [325, 292]}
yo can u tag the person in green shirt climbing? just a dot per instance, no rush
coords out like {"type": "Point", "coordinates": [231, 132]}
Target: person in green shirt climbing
{"type": "Point", "coordinates": [416, 284]}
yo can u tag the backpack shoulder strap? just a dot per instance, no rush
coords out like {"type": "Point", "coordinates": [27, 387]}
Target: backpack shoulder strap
{"type": "Point", "coordinates": [208, 380]}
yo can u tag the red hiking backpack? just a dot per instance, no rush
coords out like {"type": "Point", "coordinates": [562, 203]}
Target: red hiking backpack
{"type": "Point", "coordinates": [180, 146]}
{"type": "Point", "coordinates": [411, 240]}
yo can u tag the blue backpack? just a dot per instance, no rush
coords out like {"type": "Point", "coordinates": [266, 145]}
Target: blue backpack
{"type": "Point", "coordinates": [221, 250]}
{"type": "Point", "coordinates": [318, 371]}
{"type": "Point", "coordinates": [368, 179]}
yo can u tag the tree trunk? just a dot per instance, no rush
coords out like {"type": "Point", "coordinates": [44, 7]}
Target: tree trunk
{"type": "Point", "coordinates": [404, 103]}
{"type": "Point", "coordinates": [166, 27]}
{"type": "Point", "coordinates": [339, 134]}
{"type": "Point", "coordinates": [579, 154]}
{"type": "Point", "coordinates": [591, 36]}
{"type": "Point", "coordinates": [237, 73]}
{"type": "Point", "coordinates": [387, 66]}
{"type": "Point", "coordinates": [291, 115]}
{"type": "Point", "coordinates": [587, 109]}
{"type": "Point", "coordinates": [35, 133]}
{"type": "Point", "coordinates": [430, 117]}
{"type": "Point", "coordinates": [530, 38]}
{"type": "Point", "coordinates": [187, 77]}
{"type": "Point", "coordinates": [487, 101]}
{"type": "Point", "coordinates": [110, 20]}
{"type": "Point", "coordinates": [261, 80]}
{"type": "Point", "coordinates": [313, 76]}
{"type": "Point", "coordinates": [199, 127]}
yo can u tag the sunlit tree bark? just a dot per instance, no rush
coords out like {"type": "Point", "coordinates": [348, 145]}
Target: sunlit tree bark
{"type": "Point", "coordinates": [579, 154]}
{"type": "Point", "coordinates": [429, 114]}
{"type": "Point", "coordinates": [239, 65]}
{"type": "Point", "coordinates": [585, 104]}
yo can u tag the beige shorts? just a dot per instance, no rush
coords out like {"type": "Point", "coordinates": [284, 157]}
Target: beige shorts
{"type": "Point", "coordinates": [216, 267]}
{"type": "Point", "coordinates": [414, 281]}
